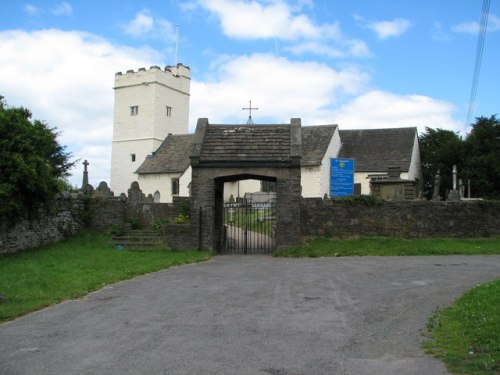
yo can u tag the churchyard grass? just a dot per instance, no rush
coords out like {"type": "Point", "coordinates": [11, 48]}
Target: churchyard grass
{"type": "Point", "coordinates": [466, 335]}
{"type": "Point", "coordinates": [382, 246]}
{"type": "Point", "coordinates": [33, 279]}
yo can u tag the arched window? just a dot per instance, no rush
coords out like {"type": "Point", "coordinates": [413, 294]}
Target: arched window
{"type": "Point", "coordinates": [156, 197]}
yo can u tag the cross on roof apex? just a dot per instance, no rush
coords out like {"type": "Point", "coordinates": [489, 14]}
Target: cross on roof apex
{"type": "Point", "coordinates": [249, 109]}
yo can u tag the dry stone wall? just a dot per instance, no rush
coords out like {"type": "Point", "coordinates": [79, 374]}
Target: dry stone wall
{"type": "Point", "coordinates": [408, 219]}
{"type": "Point", "coordinates": [65, 217]}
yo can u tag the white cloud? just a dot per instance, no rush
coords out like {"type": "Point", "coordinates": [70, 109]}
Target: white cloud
{"type": "Point", "coordinates": [31, 9]}
{"type": "Point", "coordinates": [385, 29]}
{"type": "Point", "coordinates": [379, 109]}
{"type": "Point", "coordinates": [250, 20]}
{"type": "Point", "coordinates": [253, 20]}
{"type": "Point", "coordinates": [279, 87]}
{"type": "Point", "coordinates": [355, 48]}
{"type": "Point", "coordinates": [66, 79]}
{"type": "Point", "coordinates": [62, 9]}
{"type": "Point", "coordinates": [472, 27]}
{"type": "Point", "coordinates": [142, 24]}
{"type": "Point", "coordinates": [388, 29]}
{"type": "Point", "coordinates": [145, 25]}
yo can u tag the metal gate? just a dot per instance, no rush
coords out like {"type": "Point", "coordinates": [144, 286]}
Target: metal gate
{"type": "Point", "coordinates": [248, 227]}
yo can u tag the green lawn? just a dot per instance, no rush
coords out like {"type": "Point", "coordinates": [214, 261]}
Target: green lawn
{"type": "Point", "coordinates": [466, 335]}
{"type": "Point", "coordinates": [381, 246]}
{"type": "Point", "coordinates": [37, 278]}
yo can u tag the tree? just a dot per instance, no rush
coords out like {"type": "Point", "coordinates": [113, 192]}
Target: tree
{"type": "Point", "coordinates": [439, 150]}
{"type": "Point", "coordinates": [482, 162]}
{"type": "Point", "coordinates": [32, 163]}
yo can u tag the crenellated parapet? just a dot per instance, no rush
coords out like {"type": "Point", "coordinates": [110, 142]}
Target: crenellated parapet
{"type": "Point", "coordinates": [177, 71]}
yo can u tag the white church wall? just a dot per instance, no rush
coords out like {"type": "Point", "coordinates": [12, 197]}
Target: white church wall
{"type": "Point", "coordinates": [162, 182]}
{"type": "Point", "coordinates": [123, 166]}
{"type": "Point", "coordinates": [415, 171]}
{"type": "Point", "coordinates": [363, 179]}
{"type": "Point", "coordinates": [331, 152]}
{"type": "Point", "coordinates": [310, 181]}
{"type": "Point", "coordinates": [315, 181]}
{"type": "Point", "coordinates": [239, 188]}
{"type": "Point", "coordinates": [185, 182]}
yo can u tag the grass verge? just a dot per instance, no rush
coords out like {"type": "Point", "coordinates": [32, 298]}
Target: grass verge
{"type": "Point", "coordinates": [37, 278]}
{"type": "Point", "coordinates": [466, 335]}
{"type": "Point", "coordinates": [382, 246]}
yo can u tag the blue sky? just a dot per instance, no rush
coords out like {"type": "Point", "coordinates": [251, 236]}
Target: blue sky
{"type": "Point", "coordinates": [355, 63]}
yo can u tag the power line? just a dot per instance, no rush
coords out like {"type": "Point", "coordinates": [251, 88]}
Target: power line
{"type": "Point", "coordinates": [479, 57]}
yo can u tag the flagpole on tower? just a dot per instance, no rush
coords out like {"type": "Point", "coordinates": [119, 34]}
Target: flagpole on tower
{"type": "Point", "coordinates": [177, 45]}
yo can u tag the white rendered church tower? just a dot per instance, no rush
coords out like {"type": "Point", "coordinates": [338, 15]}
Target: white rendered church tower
{"type": "Point", "coordinates": [149, 104]}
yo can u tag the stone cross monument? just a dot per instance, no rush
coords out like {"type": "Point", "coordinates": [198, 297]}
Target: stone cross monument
{"type": "Point", "coordinates": [85, 181]}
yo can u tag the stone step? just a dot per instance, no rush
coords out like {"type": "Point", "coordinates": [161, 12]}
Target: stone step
{"type": "Point", "coordinates": [139, 239]}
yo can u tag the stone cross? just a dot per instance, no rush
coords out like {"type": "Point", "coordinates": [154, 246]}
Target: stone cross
{"type": "Point", "coordinates": [250, 121]}
{"type": "Point", "coordinates": [85, 173]}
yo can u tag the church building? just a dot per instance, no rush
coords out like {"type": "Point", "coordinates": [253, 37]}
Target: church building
{"type": "Point", "coordinates": [151, 145]}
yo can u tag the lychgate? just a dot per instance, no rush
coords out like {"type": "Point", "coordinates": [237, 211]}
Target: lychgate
{"type": "Point", "coordinates": [226, 153]}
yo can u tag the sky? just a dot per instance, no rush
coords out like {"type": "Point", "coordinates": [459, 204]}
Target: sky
{"type": "Point", "coordinates": [360, 64]}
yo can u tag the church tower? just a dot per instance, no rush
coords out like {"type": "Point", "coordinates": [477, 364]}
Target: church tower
{"type": "Point", "coordinates": [149, 104]}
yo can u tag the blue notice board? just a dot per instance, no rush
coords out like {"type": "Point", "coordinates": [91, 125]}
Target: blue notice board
{"type": "Point", "coordinates": [341, 177]}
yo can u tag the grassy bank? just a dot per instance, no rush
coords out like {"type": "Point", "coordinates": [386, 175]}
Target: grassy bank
{"type": "Point", "coordinates": [381, 246]}
{"type": "Point", "coordinates": [466, 335]}
{"type": "Point", "coordinates": [72, 268]}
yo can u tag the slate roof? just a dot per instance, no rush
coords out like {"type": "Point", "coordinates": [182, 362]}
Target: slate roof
{"type": "Point", "coordinates": [374, 150]}
{"type": "Point", "coordinates": [315, 141]}
{"type": "Point", "coordinates": [246, 143]}
{"type": "Point", "coordinates": [171, 157]}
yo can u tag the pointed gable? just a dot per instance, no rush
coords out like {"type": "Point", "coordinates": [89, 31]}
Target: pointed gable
{"type": "Point", "coordinates": [315, 142]}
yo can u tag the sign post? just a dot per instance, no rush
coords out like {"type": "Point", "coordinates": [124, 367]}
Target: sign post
{"type": "Point", "coordinates": [341, 177]}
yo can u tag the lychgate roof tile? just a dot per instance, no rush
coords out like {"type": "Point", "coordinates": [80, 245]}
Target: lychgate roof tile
{"type": "Point", "coordinates": [246, 143]}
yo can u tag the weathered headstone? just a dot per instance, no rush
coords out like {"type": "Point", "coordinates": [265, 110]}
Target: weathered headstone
{"type": "Point", "coordinates": [135, 194]}
{"type": "Point", "coordinates": [103, 190]}
{"type": "Point", "coordinates": [88, 189]}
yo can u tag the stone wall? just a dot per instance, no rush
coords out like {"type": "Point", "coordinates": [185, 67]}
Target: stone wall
{"type": "Point", "coordinates": [101, 211]}
{"type": "Point", "coordinates": [65, 217]}
{"type": "Point", "coordinates": [408, 219]}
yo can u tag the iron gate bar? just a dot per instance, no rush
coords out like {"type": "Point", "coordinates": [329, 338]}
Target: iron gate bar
{"type": "Point", "coordinates": [248, 227]}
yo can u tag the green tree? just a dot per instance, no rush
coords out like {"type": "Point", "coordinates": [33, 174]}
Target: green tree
{"type": "Point", "coordinates": [32, 163]}
{"type": "Point", "coordinates": [482, 163]}
{"type": "Point", "coordinates": [439, 150]}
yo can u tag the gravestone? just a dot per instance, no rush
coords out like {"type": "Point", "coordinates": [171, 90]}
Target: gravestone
{"type": "Point", "coordinates": [135, 194]}
{"type": "Point", "coordinates": [103, 190]}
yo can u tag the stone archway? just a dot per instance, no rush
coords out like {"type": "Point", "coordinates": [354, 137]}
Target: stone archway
{"type": "Point", "coordinates": [245, 224]}
{"type": "Point", "coordinates": [225, 152]}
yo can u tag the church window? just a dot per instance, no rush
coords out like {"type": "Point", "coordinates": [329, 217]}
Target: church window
{"type": "Point", "coordinates": [132, 157]}
{"type": "Point", "coordinates": [168, 111]}
{"type": "Point", "coordinates": [175, 186]}
{"type": "Point", "coordinates": [134, 110]}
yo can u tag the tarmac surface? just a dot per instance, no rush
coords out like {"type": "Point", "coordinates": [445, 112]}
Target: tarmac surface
{"type": "Point", "coordinates": [250, 315]}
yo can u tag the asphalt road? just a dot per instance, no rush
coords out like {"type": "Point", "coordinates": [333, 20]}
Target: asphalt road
{"type": "Point", "coordinates": [250, 315]}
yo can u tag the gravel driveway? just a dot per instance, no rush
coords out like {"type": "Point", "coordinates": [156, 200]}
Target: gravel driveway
{"type": "Point", "coordinates": [250, 315]}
